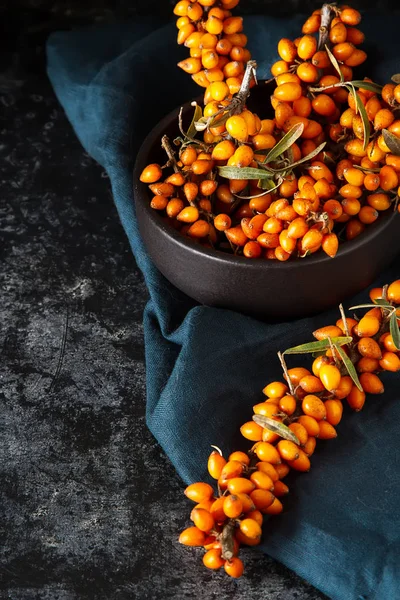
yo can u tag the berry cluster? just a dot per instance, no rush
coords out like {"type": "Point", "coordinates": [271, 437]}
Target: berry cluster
{"type": "Point", "coordinates": [317, 173]}
{"type": "Point", "coordinates": [305, 408]}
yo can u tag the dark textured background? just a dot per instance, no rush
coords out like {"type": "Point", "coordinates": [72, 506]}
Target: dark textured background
{"type": "Point", "coordinates": [91, 505]}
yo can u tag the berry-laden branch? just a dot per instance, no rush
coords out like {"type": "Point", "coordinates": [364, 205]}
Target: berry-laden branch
{"type": "Point", "coordinates": [313, 174]}
{"type": "Point", "coordinates": [286, 426]}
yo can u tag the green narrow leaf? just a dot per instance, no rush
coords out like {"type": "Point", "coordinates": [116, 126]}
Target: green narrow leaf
{"type": "Point", "coordinates": [367, 85]}
{"type": "Point", "coordinates": [191, 132]}
{"type": "Point", "coordinates": [304, 159]}
{"type": "Point", "coordinates": [349, 366]}
{"type": "Point", "coordinates": [396, 78]}
{"type": "Point", "coordinates": [268, 184]}
{"type": "Point", "coordinates": [334, 62]}
{"type": "Point", "coordinates": [284, 144]}
{"type": "Point", "coordinates": [276, 427]}
{"type": "Point", "coordinates": [365, 306]}
{"type": "Point", "coordinates": [244, 173]}
{"type": "Point", "coordinates": [394, 330]}
{"type": "Point", "coordinates": [216, 122]}
{"type": "Point", "coordinates": [391, 141]}
{"type": "Point", "coordinates": [382, 302]}
{"type": "Point", "coordinates": [360, 108]}
{"type": "Point", "coordinates": [201, 124]}
{"type": "Point", "coordinates": [318, 345]}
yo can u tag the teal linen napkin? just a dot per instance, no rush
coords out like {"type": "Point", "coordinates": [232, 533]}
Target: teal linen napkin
{"type": "Point", "coordinates": [205, 366]}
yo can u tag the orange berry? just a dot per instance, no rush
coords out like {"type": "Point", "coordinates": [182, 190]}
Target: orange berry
{"type": "Point", "coordinates": [368, 326]}
{"type": "Point", "coordinates": [288, 450]}
{"type": "Point", "coordinates": [216, 463]}
{"type": "Point", "coordinates": [323, 105]}
{"type": "Point", "coordinates": [275, 509]}
{"type": "Point", "coordinates": [302, 463]}
{"type": "Point", "coordinates": [217, 510]}
{"type": "Point", "coordinates": [383, 119]}
{"type": "Point", "coordinates": [328, 331]}
{"type": "Point", "coordinates": [151, 173]}
{"type": "Point", "coordinates": [371, 383]}
{"type": "Point", "coordinates": [367, 365]}
{"type": "Point", "coordinates": [300, 432]}
{"type": "Point", "coordinates": [388, 178]}
{"type": "Point", "coordinates": [369, 348]}
{"type": "Point", "coordinates": [330, 377]}
{"type": "Point", "coordinates": [240, 485]}
{"type": "Point", "coordinates": [192, 536]}
{"type": "Point", "coordinates": [310, 424]}
{"type": "Point", "coordinates": [343, 51]}
{"type": "Point", "coordinates": [262, 480]}
{"type": "Point", "coordinates": [334, 411]}
{"type": "Point", "coordinates": [236, 235]}
{"type": "Point", "coordinates": [197, 492]}
{"type": "Point", "coordinates": [233, 468]}
{"type": "Point", "coordinates": [307, 47]}
{"type": "Point", "coordinates": [314, 407]}
{"type": "Point", "coordinates": [236, 126]}
{"type": "Point", "coordinates": [267, 452]}
{"type": "Point", "coordinates": [326, 431]}
{"type": "Point", "coordinates": [262, 499]}
{"type": "Point", "coordinates": [288, 404]}
{"type": "Point", "coordinates": [390, 362]}
{"type": "Point", "coordinates": [344, 387]}
{"type": "Point", "coordinates": [393, 292]}
{"type": "Point", "coordinates": [250, 528]}
{"type": "Point", "coordinates": [233, 506]}
{"type": "Point", "coordinates": [276, 389]}
{"type": "Point", "coordinates": [356, 398]}
{"type": "Point", "coordinates": [338, 33]}
{"type": "Point", "coordinates": [311, 384]}
{"type": "Point", "coordinates": [212, 559]}
{"type": "Point", "coordinates": [234, 567]}
{"type": "Point", "coordinates": [287, 50]}
{"type": "Point", "coordinates": [330, 244]}
{"type": "Point", "coordinates": [288, 92]}
{"type": "Point", "coordinates": [202, 519]}
{"type": "Point", "coordinates": [307, 72]}
{"type": "Point", "coordinates": [308, 448]}
{"type": "Point", "coordinates": [312, 24]}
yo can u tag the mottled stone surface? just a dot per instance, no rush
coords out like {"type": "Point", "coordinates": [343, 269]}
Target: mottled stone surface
{"type": "Point", "coordinates": [91, 505]}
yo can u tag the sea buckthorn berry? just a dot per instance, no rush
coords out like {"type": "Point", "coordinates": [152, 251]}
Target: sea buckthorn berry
{"type": "Point", "coordinates": [388, 342]}
{"type": "Point", "coordinates": [342, 52]}
{"type": "Point", "coordinates": [318, 362]}
{"type": "Point", "coordinates": [243, 539]}
{"type": "Point", "coordinates": [296, 374]}
{"type": "Point", "coordinates": [267, 409]}
{"type": "Point", "coordinates": [367, 365]}
{"type": "Point", "coordinates": [256, 515]}
{"type": "Point", "coordinates": [174, 207]}
{"type": "Point", "coordinates": [240, 456]}
{"type": "Point", "coordinates": [351, 207]}
{"type": "Point", "coordinates": [276, 389]}
{"type": "Point", "coordinates": [311, 384]}
{"type": "Point", "coordinates": [159, 202]}
{"type": "Point", "coordinates": [252, 431]}
{"type": "Point", "coordinates": [309, 424]}
{"type": "Point", "coordinates": [300, 432]}
{"type": "Point", "coordinates": [217, 510]}
{"type": "Point", "coordinates": [355, 59]}
{"type": "Point", "coordinates": [288, 450]}
{"type": "Point", "coordinates": [323, 105]}
{"type": "Point", "coordinates": [371, 383]}
{"type": "Point", "coordinates": [252, 250]}
{"type": "Point", "coordinates": [368, 215]}
{"type": "Point", "coordinates": [338, 33]}
{"type": "Point", "coordinates": [212, 559]}
{"type": "Point", "coordinates": [236, 236]}
{"type": "Point", "coordinates": [388, 178]}
{"type": "Point", "coordinates": [354, 227]}
{"type": "Point", "coordinates": [302, 463]}
{"type": "Point", "coordinates": [223, 150]}
{"type": "Point", "coordinates": [202, 519]}
{"type": "Point", "coordinates": [393, 292]}
{"type": "Point", "coordinates": [181, 8]}
{"type": "Point", "coordinates": [233, 468]}
{"type": "Point", "coordinates": [379, 201]}
{"type": "Point", "coordinates": [236, 126]}
{"type": "Point", "coordinates": [327, 431]}
{"type": "Point", "coordinates": [287, 78]}
{"type": "Point", "coordinates": [269, 470]}
{"type": "Point", "coordinates": [288, 404]}
{"type": "Point", "coordinates": [354, 176]}
{"type": "Point", "coordinates": [263, 141]}
{"type": "Point", "coordinates": [267, 452]}
{"type": "Point", "coordinates": [334, 411]}
{"type": "Point", "coordinates": [189, 214]}
{"type": "Point", "coordinates": [262, 499]}
{"type": "Point", "coordinates": [218, 90]}
{"type": "Point", "coordinates": [312, 240]}
{"type": "Point", "coordinates": [162, 189]}
{"type": "Point", "coordinates": [328, 331]}
{"type": "Point", "coordinates": [246, 501]}
{"type": "Point", "coordinates": [330, 377]}
{"type": "Point", "coordinates": [233, 506]}
{"type": "Point", "coordinates": [307, 72]}
{"type": "Point", "coordinates": [234, 567]}
{"type": "Point", "coordinates": [275, 509]}
{"type": "Point", "coordinates": [288, 92]}
{"type": "Point", "coordinates": [287, 50]}
{"type": "Point", "coordinates": [184, 32]}
{"type": "Point", "coordinates": [350, 16]}
{"type": "Point", "coordinates": [356, 148]}
{"type": "Point", "coordinates": [310, 446]}
{"type": "Point", "coordinates": [356, 398]}
{"type": "Point", "coordinates": [390, 362]}
{"type": "Point", "coordinates": [368, 326]}
{"type": "Point", "coordinates": [280, 489]}
{"type": "Point", "coordinates": [216, 463]}
{"type": "Point", "coordinates": [383, 119]}
{"type": "Point", "coordinates": [279, 67]}
{"type": "Point", "coordinates": [312, 24]}
{"type": "Point", "coordinates": [240, 485]}
{"type": "Point", "coordinates": [250, 528]}
{"type": "Point", "coordinates": [199, 491]}
{"type": "Point", "coordinates": [307, 47]}
{"type": "Point", "coordinates": [371, 181]}
{"type": "Point", "coordinates": [344, 387]}
{"type": "Point", "coordinates": [330, 244]}
{"type": "Point", "coordinates": [369, 348]}
{"type": "Point", "coordinates": [199, 229]}
{"type": "Point", "coordinates": [313, 406]}
{"type": "Point", "coordinates": [192, 536]}
{"type": "Point", "coordinates": [151, 173]}
{"type": "Point", "coordinates": [262, 480]}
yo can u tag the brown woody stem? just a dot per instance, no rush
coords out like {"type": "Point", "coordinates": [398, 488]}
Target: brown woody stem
{"type": "Point", "coordinates": [227, 540]}
{"type": "Point", "coordinates": [285, 370]}
{"type": "Point", "coordinates": [326, 18]}
{"type": "Point", "coordinates": [346, 327]}
{"type": "Point", "coordinates": [165, 143]}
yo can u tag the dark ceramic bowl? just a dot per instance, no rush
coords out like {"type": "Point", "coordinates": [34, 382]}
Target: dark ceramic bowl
{"type": "Point", "coordinates": [261, 288]}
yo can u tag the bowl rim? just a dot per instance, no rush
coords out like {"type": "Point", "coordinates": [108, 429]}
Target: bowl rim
{"type": "Point", "coordinates": [320, 258]}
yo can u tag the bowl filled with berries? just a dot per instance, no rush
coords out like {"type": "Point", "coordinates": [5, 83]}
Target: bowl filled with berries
{"type": "Point", "coordinates": [278, 198]}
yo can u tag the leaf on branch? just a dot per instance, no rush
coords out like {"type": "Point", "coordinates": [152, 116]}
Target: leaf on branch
{"type": "Point", "coordinates": [276, 427]}
{"type": "Point", "coordinates": [382, 302]}
{"type": "Point", "coordinates": [304, 159]}
{"type": "Point", "coordinates": [394, 330]}
{"type": "Point", "coordinates": [391, 141]}
{"type": "Point", "coordinates": [396, 78]}
{"type": "Point", "coordinates": [317, 346]}
{"type": "Point", "coordinates": [244, 173]}
{"type": "Point", "coordinates": [334, 62]}
{"type": "Point", "coordinates": [367, 85]}
{"type": "Point", "coordinates": [201, 124]}
{"type": "Point", "coordinates": [191, 132]}
{"type": "Point", "coordinates": [349, 366]}
{"type": "Point", "coordinates": [360, 108]}
{"type": "Point", "coordinates": [368, 306]}
{"type": "Point", "coordinates": [285, 143]}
